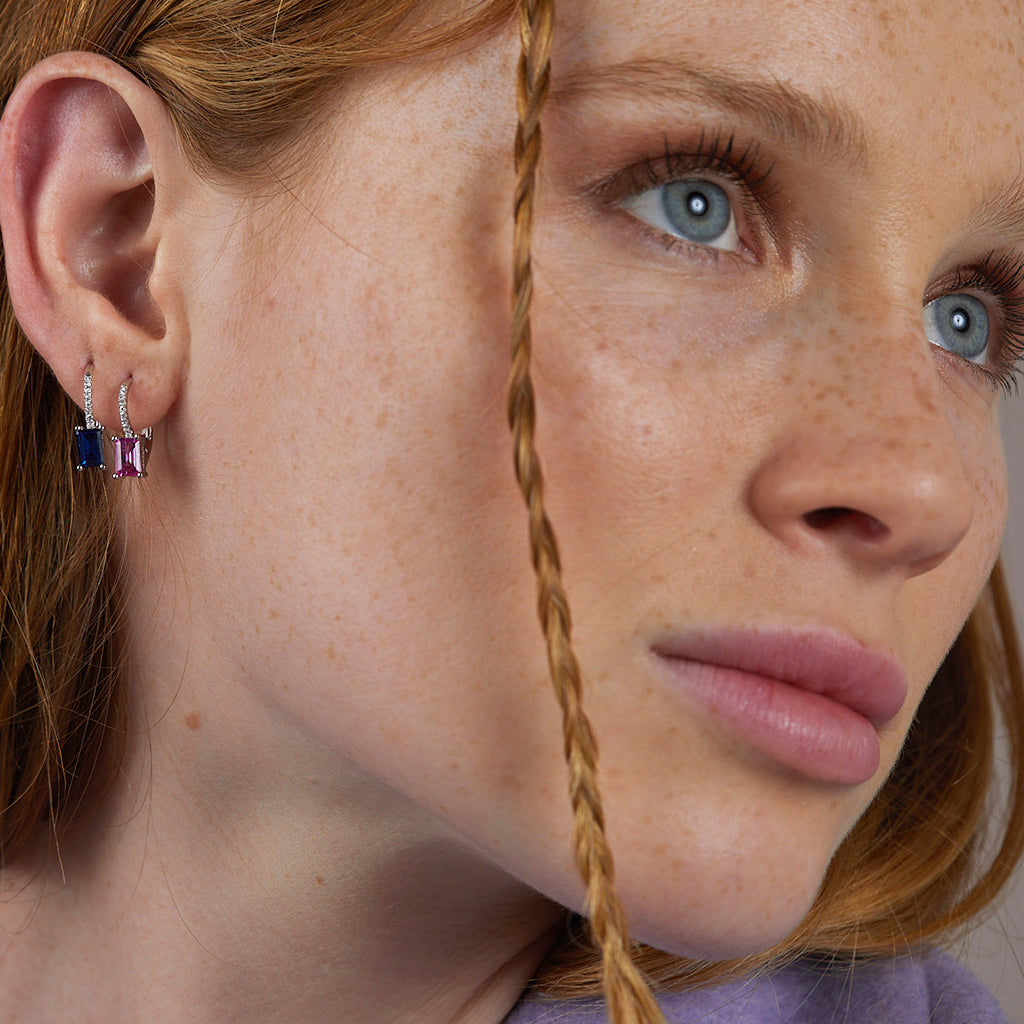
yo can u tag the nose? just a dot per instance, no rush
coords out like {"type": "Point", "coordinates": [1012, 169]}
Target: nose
{"type": "Point", "coordinates": [865, 462]}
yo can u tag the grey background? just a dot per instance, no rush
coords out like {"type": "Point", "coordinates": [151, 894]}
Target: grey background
{"type": "Point", "coordinates": [996, 950]}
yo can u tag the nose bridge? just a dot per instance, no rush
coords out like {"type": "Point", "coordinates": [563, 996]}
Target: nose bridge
{"type": "Point", "coordinates": [867, 457]}
{"type": "Point", "coordinates": [875, 382]}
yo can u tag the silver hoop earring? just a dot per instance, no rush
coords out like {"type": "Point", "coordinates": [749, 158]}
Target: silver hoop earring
{"type": "Point", "coordinates": [89, 439]}
{"type": "Point", "coordinates": [131, 450]}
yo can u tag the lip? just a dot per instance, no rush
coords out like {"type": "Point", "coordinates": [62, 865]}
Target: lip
{"type": "Point", "coordinates": [811, 700]}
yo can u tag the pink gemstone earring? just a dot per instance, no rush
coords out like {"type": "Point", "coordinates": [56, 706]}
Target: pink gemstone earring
{"type": "Point", "coordinates": [130, 450]}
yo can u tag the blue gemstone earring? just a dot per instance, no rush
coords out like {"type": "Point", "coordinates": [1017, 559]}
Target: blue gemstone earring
{"type": "Point", "coordinates": [130, 450]}
{"type": "Point", "coordinates": [89, 439]}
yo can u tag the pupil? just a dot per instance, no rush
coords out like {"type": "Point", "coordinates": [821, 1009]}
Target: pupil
{"type": "Point", "coordinates": [960, 320]}
{"type": "Point", "coordinates": [697, 204]}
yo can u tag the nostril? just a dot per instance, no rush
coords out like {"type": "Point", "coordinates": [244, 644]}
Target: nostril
{"type": "Point", "coordinates": [826, 518]}
{"type": "Point", "coordinates": [834, 519]}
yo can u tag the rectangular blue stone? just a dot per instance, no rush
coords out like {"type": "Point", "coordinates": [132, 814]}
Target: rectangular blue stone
{"type": "Point", "coordinates": [89, 448]}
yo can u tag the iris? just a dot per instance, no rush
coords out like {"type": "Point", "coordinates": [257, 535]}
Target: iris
{"type": "Point", "coordinates": [698, 210]}
{"type": "Point", "coordinates": [958, 323]}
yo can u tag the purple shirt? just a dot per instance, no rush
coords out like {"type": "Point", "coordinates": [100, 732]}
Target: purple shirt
{"type": "Point", "coordinates": [931, 988]}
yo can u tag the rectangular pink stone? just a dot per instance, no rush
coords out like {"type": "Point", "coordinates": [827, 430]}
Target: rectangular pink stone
{"type": "Point", "coordinates": [128, 457]}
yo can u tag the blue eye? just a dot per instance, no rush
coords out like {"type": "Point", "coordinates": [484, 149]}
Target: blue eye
{"type": "Point", "coordinates": [959, 324]}
{"type": "Point", "coordinates": [693, 209]}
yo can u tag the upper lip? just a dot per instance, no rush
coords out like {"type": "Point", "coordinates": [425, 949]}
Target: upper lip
{"type": "Point", "coordinates": [822, 661]}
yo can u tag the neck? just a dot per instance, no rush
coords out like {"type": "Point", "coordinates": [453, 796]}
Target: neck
{"type": "Point", "coordinates": [236, 874]}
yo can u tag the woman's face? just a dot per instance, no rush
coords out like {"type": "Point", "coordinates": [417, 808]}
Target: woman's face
{"type": "Point", "coordinates": [779, 262]}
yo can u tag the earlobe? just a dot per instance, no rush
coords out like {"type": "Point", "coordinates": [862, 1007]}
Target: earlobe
{"type": "Point", "coordinates": [88, 169]}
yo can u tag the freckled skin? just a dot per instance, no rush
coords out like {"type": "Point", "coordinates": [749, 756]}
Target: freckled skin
{"type": "Point", "coordinates": [344, 580]}
{"type": "Point", "coordinates": [690, 419]}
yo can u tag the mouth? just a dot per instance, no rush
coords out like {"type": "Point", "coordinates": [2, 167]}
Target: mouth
{"type": "Point", "coordinates": [810, 700]}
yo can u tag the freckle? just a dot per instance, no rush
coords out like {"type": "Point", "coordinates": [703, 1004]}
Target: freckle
{"type": "Point", "coordinates": [513, 782]}
{"type": "Point", "coordinates": [330, 652]}
{"type": "Point", "coordinates": [319, 880]}
{"type": "Point", "coordinates": [192, 720]}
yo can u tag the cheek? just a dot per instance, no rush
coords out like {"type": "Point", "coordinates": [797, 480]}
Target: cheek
{"type": "Point", "coordinates": [634, 401]}
{"type": "Point", "coordinates": [977, 436]}
{"type": "Point", "coordinates": [989, 470]}
{"type": "Point", "coordinates": [383, 592]}
{"type": "Point", "coordinates": [648, 434]}
{"type": "Point", "coordinates": [934, 606]}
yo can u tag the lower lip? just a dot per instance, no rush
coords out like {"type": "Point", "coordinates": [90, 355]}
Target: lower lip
{"type": "Point", "coordinates": [809, 733]}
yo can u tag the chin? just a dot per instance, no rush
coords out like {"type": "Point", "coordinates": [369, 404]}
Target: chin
{"type": "Point", "coordinates": [735, 898]}
{"type": "Point", "coordinates": [727, 932]}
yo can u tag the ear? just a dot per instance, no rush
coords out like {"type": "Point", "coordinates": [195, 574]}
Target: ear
{"type": "Point", "coordinates": [90, 176]}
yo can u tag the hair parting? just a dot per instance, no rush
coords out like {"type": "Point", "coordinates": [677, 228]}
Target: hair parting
{"type": "Point", "coordinates": [627, 994]}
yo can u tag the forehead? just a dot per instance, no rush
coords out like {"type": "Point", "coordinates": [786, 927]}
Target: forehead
{"type": "Point", "coordinates": [944, 40]}
{"type": "Point", "coordinates": [933, 86]}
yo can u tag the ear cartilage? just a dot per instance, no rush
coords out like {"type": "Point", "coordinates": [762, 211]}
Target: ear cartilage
{"type": "Point", "coordinates": [131, 450]}
{"type": "Point", "coordinates": [89, 439]}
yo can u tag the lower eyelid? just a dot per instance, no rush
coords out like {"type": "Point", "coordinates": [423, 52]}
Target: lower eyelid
{"type": "Point", "coordinates": [694, 251]}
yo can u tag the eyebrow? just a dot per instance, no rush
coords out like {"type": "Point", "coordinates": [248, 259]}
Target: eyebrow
{"type": "Point", "coordinates": [1002, 210]}
{"type": "Point", "coordinates": [821, 125]}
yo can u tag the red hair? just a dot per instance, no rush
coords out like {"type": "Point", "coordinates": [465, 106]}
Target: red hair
{"type": "Point", "coordinates": [244, 81]}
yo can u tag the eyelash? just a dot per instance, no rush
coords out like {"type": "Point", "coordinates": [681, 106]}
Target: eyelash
{"type": "Point", "coordinates": [715, 152]}
{"type": "Point", "coordinates": [1001, 277]}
